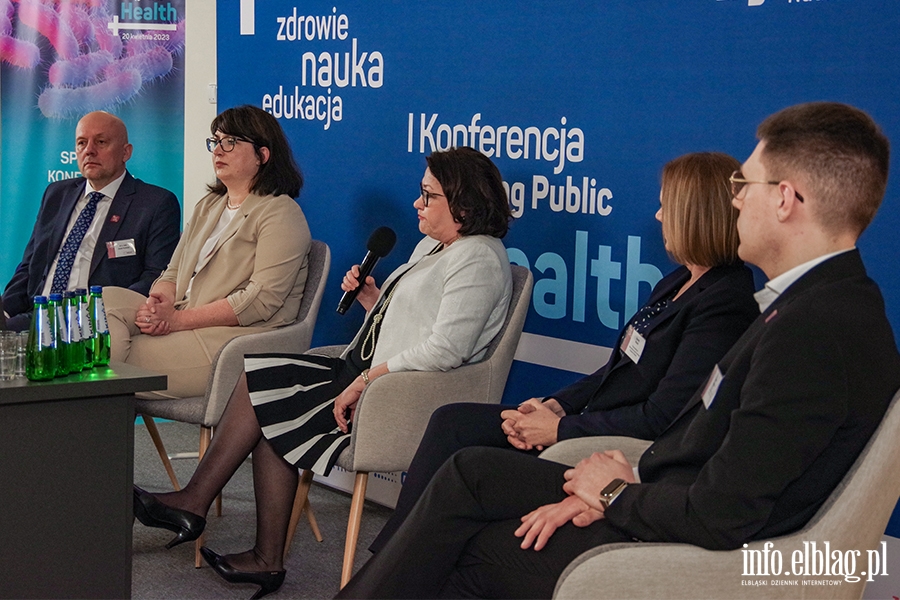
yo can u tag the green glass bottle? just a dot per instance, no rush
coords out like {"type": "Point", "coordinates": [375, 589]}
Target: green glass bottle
{"type": "Point", "coordinates": [100, 327]}
{"type": "Point", "coordinates": [58, 322]}
{"type": "Point", "coordinates": [40, 357]}
{"type": "Point", "coordinates": [76, 344]}
{"type": "Point", "coordinates": [84, 323]}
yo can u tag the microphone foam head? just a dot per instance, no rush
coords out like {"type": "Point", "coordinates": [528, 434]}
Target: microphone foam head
{"type": "Point", "coordinates": [382, 241]}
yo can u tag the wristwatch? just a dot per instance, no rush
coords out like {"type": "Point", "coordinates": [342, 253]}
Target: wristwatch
{"type": "Point", "coordinates": [612, 491]}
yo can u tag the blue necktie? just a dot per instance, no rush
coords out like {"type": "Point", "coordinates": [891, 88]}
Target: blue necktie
{"type": "Point", "coordinates": [73, 242]}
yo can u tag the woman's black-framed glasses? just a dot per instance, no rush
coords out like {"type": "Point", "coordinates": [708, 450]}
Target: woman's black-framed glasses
{"type": "Point", "coordinates": [427, 196]}
{"type": "Point", "coordinates": [227, 143]}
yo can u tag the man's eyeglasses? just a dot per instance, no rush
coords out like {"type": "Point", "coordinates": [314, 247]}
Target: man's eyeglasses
{"type": "Point", "coordinates": [227, 143]}
{"type": "Point", "coordinates": [738, 182]}
{"type": "Point", "coordinates": [427, 196]}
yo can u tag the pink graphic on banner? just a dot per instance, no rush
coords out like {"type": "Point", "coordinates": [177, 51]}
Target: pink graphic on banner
{"type": "Point", "coordinates": [46, 21]}
{"type": "Point", "coordinates": [71, 102]}
{"type": "Point", "coordinates": [78, 71]}
{"type": "Point", "coordinates": [156, 62]}
{"type": "Point", "coordinates": [91, 67]}
{"type": "Point", "coordinates": [19, 53]}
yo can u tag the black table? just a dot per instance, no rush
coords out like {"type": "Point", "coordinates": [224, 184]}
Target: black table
{"type": "Point", "coordinates": [66, 470]}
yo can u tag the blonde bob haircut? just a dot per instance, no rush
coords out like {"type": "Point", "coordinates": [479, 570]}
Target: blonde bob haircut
{"type": "Point", "coordinates": [699, 223]}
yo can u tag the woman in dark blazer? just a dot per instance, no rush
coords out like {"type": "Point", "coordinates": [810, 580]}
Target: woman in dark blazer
{"type": "Point", "coordinates": [663, 354]}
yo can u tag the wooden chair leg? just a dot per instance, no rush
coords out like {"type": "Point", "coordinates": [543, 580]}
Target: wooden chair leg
{"type": "Point", "coordinates": [301, 503]}
{"type": "Point", "coordinates": [161, 449]}
{"type": "Point", "coordinates": [205, 435]}
{"type": "Point", "coordinates": [313, 524]}
{"type": "Point", "coordinates": [356, 510]}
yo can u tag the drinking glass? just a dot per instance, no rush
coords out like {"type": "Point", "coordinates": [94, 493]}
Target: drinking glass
{"type": "Point", "coordinates": [8, 342]}
{"type": "Point", "coordinates": [21, 351]}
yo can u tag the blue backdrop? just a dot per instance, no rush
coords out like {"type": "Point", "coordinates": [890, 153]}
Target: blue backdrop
{"type": "Point", "coordinates": [579, 103]}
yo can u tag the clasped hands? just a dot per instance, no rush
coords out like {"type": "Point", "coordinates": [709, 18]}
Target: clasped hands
{"type": "Point", "coordinates": [532, 425]}
{"type": "Point", "coordinates": [583, 484]}
{"type": "Point", "coordinates": [157, 316]}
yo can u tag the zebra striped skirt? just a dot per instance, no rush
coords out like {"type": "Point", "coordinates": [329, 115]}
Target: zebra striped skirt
{"type": "Point", "coordinates": [293, 397]}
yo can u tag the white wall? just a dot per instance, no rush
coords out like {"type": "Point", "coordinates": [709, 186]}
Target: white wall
{"type": "Point", "coordinates": [200, 72]}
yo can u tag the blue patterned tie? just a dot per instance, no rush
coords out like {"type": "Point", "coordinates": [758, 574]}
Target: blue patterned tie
{"type": "Point", "coordinates": [73, 242]}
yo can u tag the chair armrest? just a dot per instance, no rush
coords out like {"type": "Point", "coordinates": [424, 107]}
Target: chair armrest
{"type": "Point", "coordinates": [332, 351]}
{"type": "Point", "coordinates": [394, 411]}
{"type": "Point", "coordinates": [570, 452]}
{"type": "Point", "coordinates": [671, 571]}
{"type": "Point", "coordinates": [229, 363]}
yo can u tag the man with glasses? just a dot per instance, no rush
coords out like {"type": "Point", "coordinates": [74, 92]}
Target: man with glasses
{"type": "Point", "coordinates": [106, 228]}
{"type": "Point", "coordinates": [757, 449]}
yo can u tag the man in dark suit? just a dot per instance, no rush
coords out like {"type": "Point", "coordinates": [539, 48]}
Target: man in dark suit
{"type": "Point", "coordinates": [107, 228]}
{"type": "Point", "coordinates": [756, 450]}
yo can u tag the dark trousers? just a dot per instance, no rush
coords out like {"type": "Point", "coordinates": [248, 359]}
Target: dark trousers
{"type": "Point", "coordinates": [451, 428]}
{"type": "Point", "coordinates": [20, 322]}
{"type": "Point", "coordinates": [458, 540]}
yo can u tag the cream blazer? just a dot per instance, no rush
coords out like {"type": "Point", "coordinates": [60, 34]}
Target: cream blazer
{"type": "Point", "coordinates": [259, 262]}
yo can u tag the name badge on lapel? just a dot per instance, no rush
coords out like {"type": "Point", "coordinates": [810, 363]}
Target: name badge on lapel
{"type": "Point", "coordinates": [633, 344]}
{"type": "Point", "coordinates": [712, 387]}
{"type": "Point", "coordinates": [121, 248]}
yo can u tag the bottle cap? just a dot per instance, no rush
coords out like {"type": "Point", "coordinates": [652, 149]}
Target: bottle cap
{"type": "Point", "coordinates": [56, 297]}
{"type": "Point", "coordinates": [68, 294]}
{"type": "Point", "coordinates": [96, 289]}
{"type": "Point", "coordinates": [40, 299]}
{"type": "Point", "coordinates": [81, 291]}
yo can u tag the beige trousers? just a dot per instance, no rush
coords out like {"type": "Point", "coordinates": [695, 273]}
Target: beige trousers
{"type": "Point", "coordinates": [184, 357]}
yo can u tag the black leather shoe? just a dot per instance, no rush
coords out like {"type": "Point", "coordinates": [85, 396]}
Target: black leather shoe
{"type": "Point", "coordinates": [153, 513]}
{"type": "Point", "coordinates": [268, 581]}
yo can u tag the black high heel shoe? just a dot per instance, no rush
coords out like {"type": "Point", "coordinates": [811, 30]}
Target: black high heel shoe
{"type": "Point", "coordinates": [268, 581]}
{"type": "Point", "coordinates": [153, 513]}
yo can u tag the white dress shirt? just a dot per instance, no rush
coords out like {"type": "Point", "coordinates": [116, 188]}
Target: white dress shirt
{"type": "Point", "coordinates": [775, 287]}
{"type": "Point", "coordinates": [81, 268]}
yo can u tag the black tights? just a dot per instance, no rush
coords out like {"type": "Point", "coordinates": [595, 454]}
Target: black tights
{"type": "Point", "coordinates": [274, 481]}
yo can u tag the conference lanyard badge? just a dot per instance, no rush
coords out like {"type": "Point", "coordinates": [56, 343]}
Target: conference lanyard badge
{"type": "Point", "coordinates": [633, 344]}
{"type": "Point", "coordinates": [121, 248]}
{"type": "Point", "coordinates": [712, 387]}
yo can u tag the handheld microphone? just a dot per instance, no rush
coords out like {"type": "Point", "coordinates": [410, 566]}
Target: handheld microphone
{"type": "Point", "coordinates": [380, 244]}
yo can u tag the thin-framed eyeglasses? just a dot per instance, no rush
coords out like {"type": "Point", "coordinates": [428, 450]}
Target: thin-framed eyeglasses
{"type": "Point", "coordinates": [738, 182]}
{"type": "Point", "coordinates": [227, 143]}
{"type": "Point", "coordinates": [427, 196]}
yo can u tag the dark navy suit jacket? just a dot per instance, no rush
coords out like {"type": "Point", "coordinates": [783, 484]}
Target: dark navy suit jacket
{"type": "Point", "coordinates": [683, 343]}
{"type": "Point", "coordinates": [146, 213]}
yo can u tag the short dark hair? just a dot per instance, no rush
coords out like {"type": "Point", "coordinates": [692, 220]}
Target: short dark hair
{"type": "Point", "coordinates": [699, 222]}
{"type": "Point", "coordinates": [474, 190]}
{"type": "Point", "coordinates": [280, 174]}
{"type": "Point", "coordinates": [839, 152]}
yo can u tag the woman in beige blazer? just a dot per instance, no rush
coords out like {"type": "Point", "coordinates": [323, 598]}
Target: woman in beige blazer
{"type": "Point", "coordinates": [240, 266]}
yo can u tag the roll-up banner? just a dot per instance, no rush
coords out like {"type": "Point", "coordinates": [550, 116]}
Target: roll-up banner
{"type": "Point", "coordinates": [62, 59]}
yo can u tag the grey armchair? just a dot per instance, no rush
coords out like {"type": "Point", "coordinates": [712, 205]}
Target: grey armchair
{"type": "Point", "coordinates": [394, 409]}
{"type": "Point", "coordinates": [229, 364]}
{"type": "Point", "coordinates": [853, 518]}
